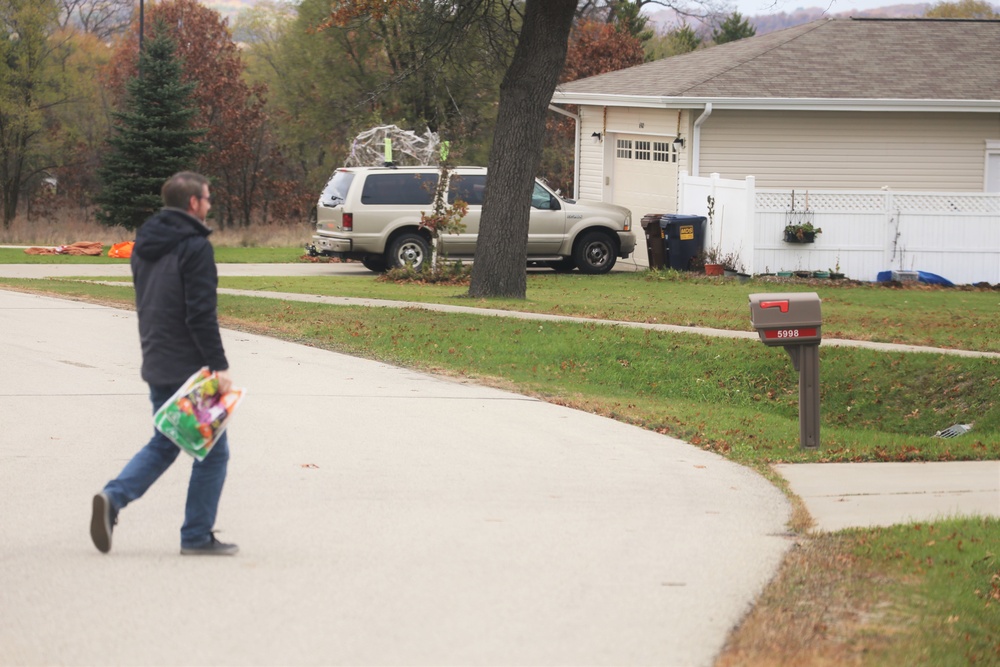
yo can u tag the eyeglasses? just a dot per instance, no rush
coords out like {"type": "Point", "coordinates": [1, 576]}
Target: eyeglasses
{"type": "Point", "coordinates": [207, 198]}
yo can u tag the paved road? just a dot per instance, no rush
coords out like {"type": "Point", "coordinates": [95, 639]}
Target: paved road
{"type": "Point", "coordinates": [384, 517]}
{"type": "Point", "coordinates": [270, 269]}
{"type": "Point", "coordinates": [122, 269]}
{"type": "Point", "coordinates": [526, 534]}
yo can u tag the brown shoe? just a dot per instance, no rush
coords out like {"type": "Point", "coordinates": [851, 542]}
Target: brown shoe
{"type": "Point", "coordinates": [102, 522]}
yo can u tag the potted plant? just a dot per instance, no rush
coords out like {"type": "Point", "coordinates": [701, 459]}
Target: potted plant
{"type": "Point", "coordinates": [801, 233]}
{"type": "Point", "coordinates": [835, 273]}
{"type": "Point", "coordinates": [712, 256]}
{"type": "Point", "coordinates": [712, 261]}
{"type": "Point", "coordinates": [732, 265]}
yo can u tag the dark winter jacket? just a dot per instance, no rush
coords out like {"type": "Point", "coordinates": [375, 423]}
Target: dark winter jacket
{"type": "Point", "coordinates": [173, 268]}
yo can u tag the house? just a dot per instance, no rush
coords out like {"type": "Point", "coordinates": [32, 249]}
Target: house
{"type": "Point", "coordinates": [843, 104]}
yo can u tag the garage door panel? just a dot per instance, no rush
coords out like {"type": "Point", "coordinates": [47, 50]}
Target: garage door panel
{"type": "Point", "coordinates": [645, 174]}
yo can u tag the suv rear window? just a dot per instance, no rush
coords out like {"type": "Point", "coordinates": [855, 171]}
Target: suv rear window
{"type": "Point", "coordinates": [468, 188]}
{"type": "Point", "coordinates": [399, 189]}
{"type": "Point", "coordinates": [336, 189]}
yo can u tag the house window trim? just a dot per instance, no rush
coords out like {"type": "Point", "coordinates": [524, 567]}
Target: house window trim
{"type": "Point", "coordinates": [643, 150]}
{"type": "Point", "coordinates": [668, 149]}
{"type": "Point", "coordinates": [646, 149]}
{"type": "Point", "coordinates": [623, 151]}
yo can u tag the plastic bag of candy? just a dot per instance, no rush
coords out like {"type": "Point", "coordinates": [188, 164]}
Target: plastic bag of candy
{"type": "Point", "coordinates": [196, 416]}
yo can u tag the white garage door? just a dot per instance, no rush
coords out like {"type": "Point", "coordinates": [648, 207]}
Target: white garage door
{"type": "Point", "coordinates": [645, 175]}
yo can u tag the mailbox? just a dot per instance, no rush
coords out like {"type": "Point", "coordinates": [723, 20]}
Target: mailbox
{"type": "Point", "coordinates": [786, 319]}
{"type": "Point", "coordinates": [793, 321]}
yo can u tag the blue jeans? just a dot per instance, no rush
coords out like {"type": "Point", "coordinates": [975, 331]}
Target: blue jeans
{"type": "Point", "coordinates": [204, 489]}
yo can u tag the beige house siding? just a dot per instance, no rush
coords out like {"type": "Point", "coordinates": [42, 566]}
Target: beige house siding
{"type": "Point", "coordinates": [817, 149]}
{"type": "Point", "coordinates": [591, 154]}
{"type": "Point", "coordinates": [687, 121]}
{"type": "Point", "coordinates": [632, 120]}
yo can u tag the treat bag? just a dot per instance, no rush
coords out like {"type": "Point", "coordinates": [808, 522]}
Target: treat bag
{"type": "Point", "coordinates": [196, 415]}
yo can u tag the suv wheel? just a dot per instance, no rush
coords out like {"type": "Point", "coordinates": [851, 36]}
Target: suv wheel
{"type": "Point", "coordinates": [595, 252]}
{"type": "Point", "coordinates": [408, 250]}
{"type": "Point", "coordinates": [374, 263]}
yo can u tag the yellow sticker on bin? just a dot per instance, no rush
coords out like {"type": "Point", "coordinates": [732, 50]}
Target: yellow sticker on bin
{"type": "Point", "coordinates": [687, 232]}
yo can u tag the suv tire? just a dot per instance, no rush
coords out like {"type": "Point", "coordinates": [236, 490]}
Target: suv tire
{"type": "Point", "coordinates": [595, 252]}
{"type": "Point", "coordinates": [408, 250]}
{"type": "Point", "coordinates": [375, 263]}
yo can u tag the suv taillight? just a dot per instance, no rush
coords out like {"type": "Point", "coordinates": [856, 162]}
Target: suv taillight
{"type": "Point", "coordinates": [348, 222]}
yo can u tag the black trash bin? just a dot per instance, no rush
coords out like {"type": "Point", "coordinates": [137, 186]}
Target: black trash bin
{"type": "Point", "coordinates": [684, 236]}
{"type": "Point", "coordinates": [655, 246]}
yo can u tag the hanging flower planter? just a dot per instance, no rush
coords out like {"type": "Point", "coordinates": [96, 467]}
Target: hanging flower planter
{"type": "Point", "coordinates": [804, 237]}
{"type": "Point", "coordinates": [803, 233]}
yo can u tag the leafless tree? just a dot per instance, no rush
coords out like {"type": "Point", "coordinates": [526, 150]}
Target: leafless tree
{"type": "Point", "coordinates": [103, 18]}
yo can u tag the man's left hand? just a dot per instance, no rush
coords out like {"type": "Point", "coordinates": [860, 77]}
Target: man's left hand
{"type": "Point", "coordinates": [225, 381]}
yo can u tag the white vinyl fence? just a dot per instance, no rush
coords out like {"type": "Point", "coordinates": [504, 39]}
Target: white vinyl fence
{"type": "Point", "coordinates": [955, 235]}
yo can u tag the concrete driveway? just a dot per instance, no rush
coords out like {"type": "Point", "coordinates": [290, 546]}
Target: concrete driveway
{"type": "Point", "coordinates": [384, 517]}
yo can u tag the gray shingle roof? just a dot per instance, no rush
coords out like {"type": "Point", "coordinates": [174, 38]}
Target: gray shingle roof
{"type": "Point", "coordinates": [828, 59]}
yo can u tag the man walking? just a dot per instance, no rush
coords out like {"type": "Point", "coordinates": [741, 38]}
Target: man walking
{"type": "Point", "coordinates": [173, 268]}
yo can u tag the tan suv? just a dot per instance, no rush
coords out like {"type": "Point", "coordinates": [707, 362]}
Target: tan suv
{"type": "Point", "coordinates": [373, 214]}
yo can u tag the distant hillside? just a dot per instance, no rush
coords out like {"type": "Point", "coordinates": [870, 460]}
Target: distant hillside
{"type": "Point", "coordinates": [764, 23]}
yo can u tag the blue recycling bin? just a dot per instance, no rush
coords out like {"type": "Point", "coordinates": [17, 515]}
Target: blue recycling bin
{"type": "Point", "coordinates": [684, 238]}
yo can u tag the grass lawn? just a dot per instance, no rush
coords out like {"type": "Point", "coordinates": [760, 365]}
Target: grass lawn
{"type": "Point", "coordinates": [934, 317]}
{"type": "Point", "coordinates": [918, 594]}
{"type": "Point", "coordinates": [733, 396]}
{"type": "Point", "coordinates": [222, 254]}
{"type": "Point", "coordinates": [929, 316]}
{"type": "Point", "coordinates": [738, 398]}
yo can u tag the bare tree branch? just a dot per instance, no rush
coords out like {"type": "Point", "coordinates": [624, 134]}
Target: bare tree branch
{"type": "Point", "coordinates": [102, 18]}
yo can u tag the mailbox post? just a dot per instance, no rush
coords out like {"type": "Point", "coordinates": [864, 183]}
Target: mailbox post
{"type": "Point", "coordinates": [793, 320]}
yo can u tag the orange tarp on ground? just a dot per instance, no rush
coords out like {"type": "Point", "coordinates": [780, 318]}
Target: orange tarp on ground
{"type": "Point", "coordinates": [121, 250]}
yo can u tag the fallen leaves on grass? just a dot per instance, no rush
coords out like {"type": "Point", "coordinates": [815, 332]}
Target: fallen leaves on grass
{"type": "Point", "coordinates": [821, 609]}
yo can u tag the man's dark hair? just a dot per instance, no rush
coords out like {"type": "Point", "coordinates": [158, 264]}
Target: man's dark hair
{"type": "Point", "coordinates": [180, 187]}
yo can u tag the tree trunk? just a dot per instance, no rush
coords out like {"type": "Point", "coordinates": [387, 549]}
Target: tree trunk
{"type": "Point", "coordinates": [500, 269]}
{"type": "Point", "coordinates": [12, 183]}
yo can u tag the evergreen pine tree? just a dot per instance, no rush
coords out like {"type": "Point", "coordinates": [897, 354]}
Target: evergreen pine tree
{"type": "Point", "coordinates": [734, 28]}
{"type": "Point", "coordinates": [152, 137]}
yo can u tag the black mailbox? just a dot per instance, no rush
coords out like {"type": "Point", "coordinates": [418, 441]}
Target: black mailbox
{"type": "Point", "coordinates": [787, 319]}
